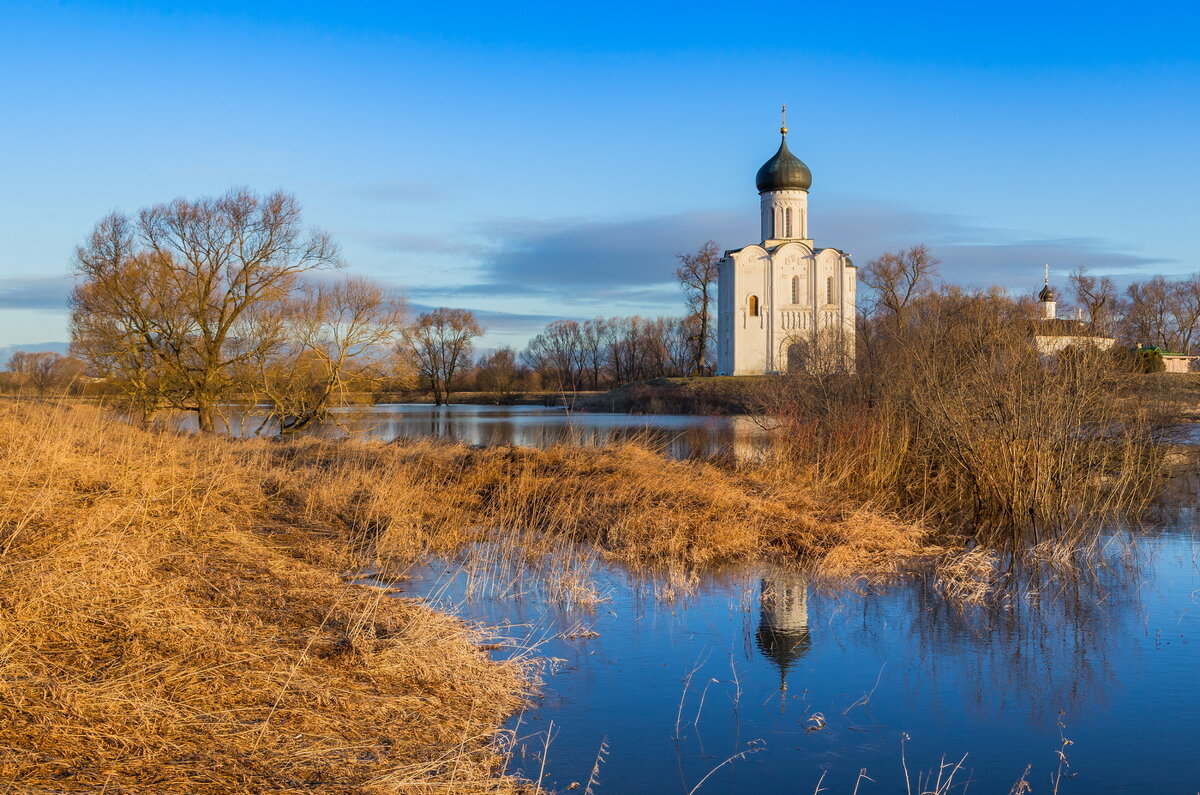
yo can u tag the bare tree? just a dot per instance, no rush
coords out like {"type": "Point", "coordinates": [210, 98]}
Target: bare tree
{"type": "Point", "coordinates": [819, 352]}
{"type": "Point", "coordinates": [1147, 312]}
{"type": "Point", "coordinates": [557, 354]}
{"type": "Point", "coordinates": [440, 343]}
{"type": "Point", "coordinates": [499, 374]}
{"type": "Point", "coordinates": [697, 275]}
{"type": "Point", "coordinates": [898, 279]}
{"type": "Point", "coordinates": [35, 370]}
{"type": "Point", "coordinates": [1186, 310]}
{"type": "Point", "coordinates": [173, 304]}
{"type": "Point", "coordinates": [1097, 297]}
{"type": "Point", "coordinates": [593, 336]}
{"type": "Point", "coordinates": [334, 334]}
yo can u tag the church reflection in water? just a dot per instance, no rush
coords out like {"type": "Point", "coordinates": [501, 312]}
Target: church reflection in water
{"type": "Point", "coordinates": [783, 635]}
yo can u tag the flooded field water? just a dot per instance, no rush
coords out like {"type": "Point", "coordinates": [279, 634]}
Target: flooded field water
{"type": "Point", "coordinates": [677, 436]}
{"type": "Point", "coordinates": [821, 685]}
{"type": "Point", "coordinates": [758, 681]}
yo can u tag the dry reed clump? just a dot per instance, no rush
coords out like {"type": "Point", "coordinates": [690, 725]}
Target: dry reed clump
{"type": "Point", "coordinates": [954, 418]}
{"type": "Point", "coordinates": [163, 634]}
{"type": "Point", "coordinates": [419, 497]}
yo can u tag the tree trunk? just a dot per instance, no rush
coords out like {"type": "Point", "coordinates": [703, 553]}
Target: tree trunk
{"type": "Point", "coordinates": [204, 417]}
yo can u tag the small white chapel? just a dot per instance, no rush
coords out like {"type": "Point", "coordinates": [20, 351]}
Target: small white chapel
{"type": "Point", "coordinates": [782, 303]}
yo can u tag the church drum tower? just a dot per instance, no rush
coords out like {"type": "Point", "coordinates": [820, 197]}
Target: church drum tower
{"type": "Point", "coordinates": [783, 304]}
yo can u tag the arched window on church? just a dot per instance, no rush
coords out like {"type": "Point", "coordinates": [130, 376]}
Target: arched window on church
{"type": "Point", "coordinates": [829, 290]}
{"type": "Point", "coordinates": [753, 306]}
{"type": "Point", "coordinates": [795, 289]}
{"type": "Point", "coordinates": [787, 221]}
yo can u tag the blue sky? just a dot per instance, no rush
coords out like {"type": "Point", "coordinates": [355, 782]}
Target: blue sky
{"type": "Point", "coordinates": [535, 161]}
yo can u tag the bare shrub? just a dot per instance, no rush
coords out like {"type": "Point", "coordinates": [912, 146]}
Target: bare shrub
{"type": "Point", "coordinates": [955, 416]}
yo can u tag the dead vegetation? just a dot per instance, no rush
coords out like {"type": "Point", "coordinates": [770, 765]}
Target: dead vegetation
{"type": "Point", "coordinates": [630, 503]}
{"type": "Point", "coordinates": [174, 619]}
{"type": "Point", "coordinates": [955, 419]}
{"type": "Point", "coordinates": [165, 630]}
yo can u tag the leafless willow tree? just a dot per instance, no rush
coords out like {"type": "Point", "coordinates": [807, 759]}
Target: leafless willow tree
{"type": "Point", "coordinates": [172, 303]}
{"type": "Point", "coordinates": [697, 275]}
{"type": "Point", "coordinates": [1098, 298]}
{"type": "Point", "coordinates": [441, 343]}
{"type": "Point", "coordinates": [35, 370]}
{"type": "Point", "coordinates": [332, 343]}
{"type": "Point", "coordinates": [1162, 312]}
{"type": "Point", "coordinates": [898, 279]}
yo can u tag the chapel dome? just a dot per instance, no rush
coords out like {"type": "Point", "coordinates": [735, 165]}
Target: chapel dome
{"type": "Point", "coordinates": [784, 171]}
{"type": "Point", "coordinates": [1047, 293]}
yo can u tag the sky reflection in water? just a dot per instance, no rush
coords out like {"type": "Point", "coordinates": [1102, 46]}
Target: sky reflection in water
{"type": "Point", "coordinates": [1115, 653]}
{"type": "Point", "coordinates": [674, 435]}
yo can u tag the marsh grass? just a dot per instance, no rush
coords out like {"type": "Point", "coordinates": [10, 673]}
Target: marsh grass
{"type": "Point", "coordinates": [180, 613]}
{"type": "Point", "coordinates": [956, 420]}
{"type": "Point", "coordinates": [168, 626]}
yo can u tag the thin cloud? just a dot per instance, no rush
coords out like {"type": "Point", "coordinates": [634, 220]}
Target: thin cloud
{"type": "Point", "coordinates": [496, 321]}
{"type": "Point", "coordinates": [7, 351]}
{"type": "Point", "coordinates": [585, 268]}
{"type": "Point", "coordinates": [602, 254]}
{"type": "Point", "coordinates": [35, 292]}
{"type": "Point", "coordinates": [971, 253]}
{"type": "Point", "coordinates": [428, 244]}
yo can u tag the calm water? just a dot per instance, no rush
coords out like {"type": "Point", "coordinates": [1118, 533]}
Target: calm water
{"type": "Point", "coordinates": [1114, 657]}
{"type": "Point", "coordinates": [746, 663]}
{"type": "Point", "coordinates": [678, 436]}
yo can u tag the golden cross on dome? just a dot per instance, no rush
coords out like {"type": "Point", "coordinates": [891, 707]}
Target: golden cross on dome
{"type": "Point", "coordinates": [783, 113]}
{"type": "Point", "coordinates": [1047, 274]}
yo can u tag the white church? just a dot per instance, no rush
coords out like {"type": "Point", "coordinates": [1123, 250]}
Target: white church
{"type": "Point", "coordinates": [784, 304]}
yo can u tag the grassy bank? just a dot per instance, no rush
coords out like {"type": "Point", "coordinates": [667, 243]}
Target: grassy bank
{"type": "Point", "coordinates": [175, 619]}
{"type": "Point", "coordinates": [168, 629]}
{"type": "Point", "coordinates": [700, 395]}
{"type": "Point", "coordinates": [540, 398]}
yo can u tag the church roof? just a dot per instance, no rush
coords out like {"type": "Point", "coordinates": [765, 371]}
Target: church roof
{"type": "Point", "coordinates": [784, 171]}
{"type": "Point", "coordinates": [1047, 293]}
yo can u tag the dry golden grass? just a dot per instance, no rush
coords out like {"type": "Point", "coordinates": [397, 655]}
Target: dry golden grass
{"type": "Point", "coordinates": [161, 633]}
{"type": "Point", "coordinates": [173, 619]}
{"type": "Point", "coordinates": [632, 504]}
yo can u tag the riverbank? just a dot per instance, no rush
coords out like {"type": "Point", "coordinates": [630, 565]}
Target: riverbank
{"type": "Point", "coordinates": [171, 626]}
{"type": "Point", "coordinates": [721, 395]}
{"type": "Point", "coordinates": [539, 398]}
{"type": "Point", "coordinates": [180, 619]}
{"type": "Point", "coordinates": [731, 395]}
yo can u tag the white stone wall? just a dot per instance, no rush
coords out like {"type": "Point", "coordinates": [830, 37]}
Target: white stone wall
{"type": "Point", "coordinates": [1178, 364]}
{"type": "Point", "coordinates": [1053, 344]}
{"type": "Point", "coordinates": [805, 298]}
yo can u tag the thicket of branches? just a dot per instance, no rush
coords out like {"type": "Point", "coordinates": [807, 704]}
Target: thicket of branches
{"type": "Point", "coordinates": [201, 305]}
{"type": "Point", "coordinates": [1158, 311]}
{"type": "Point", "coordinates": [603, 353]}
{"type": "Point", "coordinates": [39, 372]}
{"type": "Point", "coordinates": [953, 415]}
